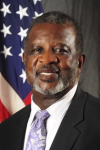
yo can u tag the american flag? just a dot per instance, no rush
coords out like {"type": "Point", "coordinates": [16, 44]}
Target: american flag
{"type": "Point", "coordinates": [15, 18]}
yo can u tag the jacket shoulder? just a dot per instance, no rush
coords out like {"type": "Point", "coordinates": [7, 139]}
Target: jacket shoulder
{"type": "Point", "coordinates": [11, 121]}
{"type": "Point", "coordinates": [93, 103]}
{"type": "Point", "coordinates": [14, 125]}
{"type": "Point", "coordinates": [92, 111]}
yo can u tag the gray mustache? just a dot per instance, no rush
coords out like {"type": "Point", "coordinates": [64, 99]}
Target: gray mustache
{"type": "Point", "coordinates": [49, 68]}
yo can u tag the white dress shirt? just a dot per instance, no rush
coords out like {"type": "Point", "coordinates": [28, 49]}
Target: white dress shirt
{"type": "Point", "coordinates": [57, 112]}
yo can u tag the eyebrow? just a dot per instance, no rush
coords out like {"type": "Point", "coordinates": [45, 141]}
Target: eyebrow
{"type": "Point", "coordinates": [62, 44]}
{"type": "Point", "coordinates": [34, 44]}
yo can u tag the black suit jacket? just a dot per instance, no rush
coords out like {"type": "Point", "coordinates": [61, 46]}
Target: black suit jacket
{"type": "Point", "coordinates": [79, 130]}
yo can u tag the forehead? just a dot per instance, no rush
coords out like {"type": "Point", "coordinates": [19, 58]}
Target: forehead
{"type": "Point", "coordinates": [47, 30]}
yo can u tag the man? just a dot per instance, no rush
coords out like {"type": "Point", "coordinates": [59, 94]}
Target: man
{"type": "Point", "coordinates": [53, 60]}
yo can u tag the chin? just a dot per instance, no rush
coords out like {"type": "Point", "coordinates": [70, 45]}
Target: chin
{"type": "Point", "coordinates": [60, 86]}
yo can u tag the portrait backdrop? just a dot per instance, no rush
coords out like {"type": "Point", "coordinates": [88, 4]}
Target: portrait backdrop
{"type": "Point", "coordinates": [15, 18]}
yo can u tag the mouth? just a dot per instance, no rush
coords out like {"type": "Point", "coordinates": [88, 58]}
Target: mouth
{"type": "Point", "coordinates": [48, 75]}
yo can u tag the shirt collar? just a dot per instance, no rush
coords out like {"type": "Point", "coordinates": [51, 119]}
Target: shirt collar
{"type": "Point", "coordinates": [34, 107]}
{"type": "Point", "coordinates": [59, 108]}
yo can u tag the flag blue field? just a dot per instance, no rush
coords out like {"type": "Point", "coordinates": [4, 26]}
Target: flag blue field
{"type": "Point", "coordinates": [15, 18]}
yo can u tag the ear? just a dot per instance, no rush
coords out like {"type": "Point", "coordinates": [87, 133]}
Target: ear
{"type": "Point", "coordinates": [81, 61]}
{"type": "Point", "coordinates": [24, 57]}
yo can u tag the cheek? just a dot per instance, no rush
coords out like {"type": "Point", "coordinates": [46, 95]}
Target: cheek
{"type": "Point", "coordinates": [30, 66]}
{"type": "Point", "coordinates": [31, 62]}
{"type": "Point", "coordinates": [65, 63]}
{"type": "Point", "coordinates": [68, 62]}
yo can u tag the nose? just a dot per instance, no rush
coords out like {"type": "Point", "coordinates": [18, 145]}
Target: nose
{"type": "Point", "coordinates": [48, 58]}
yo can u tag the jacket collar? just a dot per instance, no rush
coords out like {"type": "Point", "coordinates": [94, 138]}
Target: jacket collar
{"type": "Point", "coordinates": [68, 131]}
{"type": "Point", "coordinates": [17, 127]}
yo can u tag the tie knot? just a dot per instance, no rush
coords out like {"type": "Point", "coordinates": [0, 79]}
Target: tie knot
{"type": "Point", "coordinates": [42, 114]}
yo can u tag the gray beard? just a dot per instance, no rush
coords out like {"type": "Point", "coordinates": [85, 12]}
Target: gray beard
{"type": "Point", "coordinates": [61, 85]}
{"type": "Point", "coordinates": [58, 88]}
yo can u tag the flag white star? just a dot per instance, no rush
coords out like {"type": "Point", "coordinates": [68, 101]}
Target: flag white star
{"type": "Point", "coordinates": [22, 51]}
{"type": "Point", "coordinates": [37, 15]}
{"type": "Point", "coordinates": [5, 30]}
{"type": "Point", "coordinates": [22, 33]}
{"type": "Point", "coordinates": [22, 12]}
{"type": "Point", "coordinates": [35, 1]}
{"type": "Point", "coordinates": [6, 51]}
{"type": "Point", "coordinates": [5, 9]}
{"type": "Point", "coordinates": [23, 76]}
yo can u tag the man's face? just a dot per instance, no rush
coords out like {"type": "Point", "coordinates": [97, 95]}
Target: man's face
{"type": "Point", "coordinates": [50, 59]}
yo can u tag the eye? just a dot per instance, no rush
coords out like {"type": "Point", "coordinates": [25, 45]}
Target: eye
{"type": "Point", "coordinates": [36, 50]}
{"type": "Point", "coordinates": [61, 51]}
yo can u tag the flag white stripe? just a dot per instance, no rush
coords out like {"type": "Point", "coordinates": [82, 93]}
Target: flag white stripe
{"type": "Point", "coordinates": [9, 97]}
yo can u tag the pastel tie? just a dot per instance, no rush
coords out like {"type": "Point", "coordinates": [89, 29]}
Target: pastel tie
{"type": "Point", "coordinates": [37, 134]}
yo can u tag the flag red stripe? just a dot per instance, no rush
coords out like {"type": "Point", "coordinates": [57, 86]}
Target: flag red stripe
{"type": "Point", "coordinates": [4, 114]}
{"type": "Point", "coordinates": [27, 100]}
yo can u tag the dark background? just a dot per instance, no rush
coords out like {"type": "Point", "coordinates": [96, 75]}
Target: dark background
{"type": "Point", "coordinates": [87, 13]}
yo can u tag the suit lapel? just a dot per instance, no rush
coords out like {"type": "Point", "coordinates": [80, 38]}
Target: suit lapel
{"type": "Point", "coordinates": [15, 137]}
{"type": "Point", "coordinates": [68, 132]}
